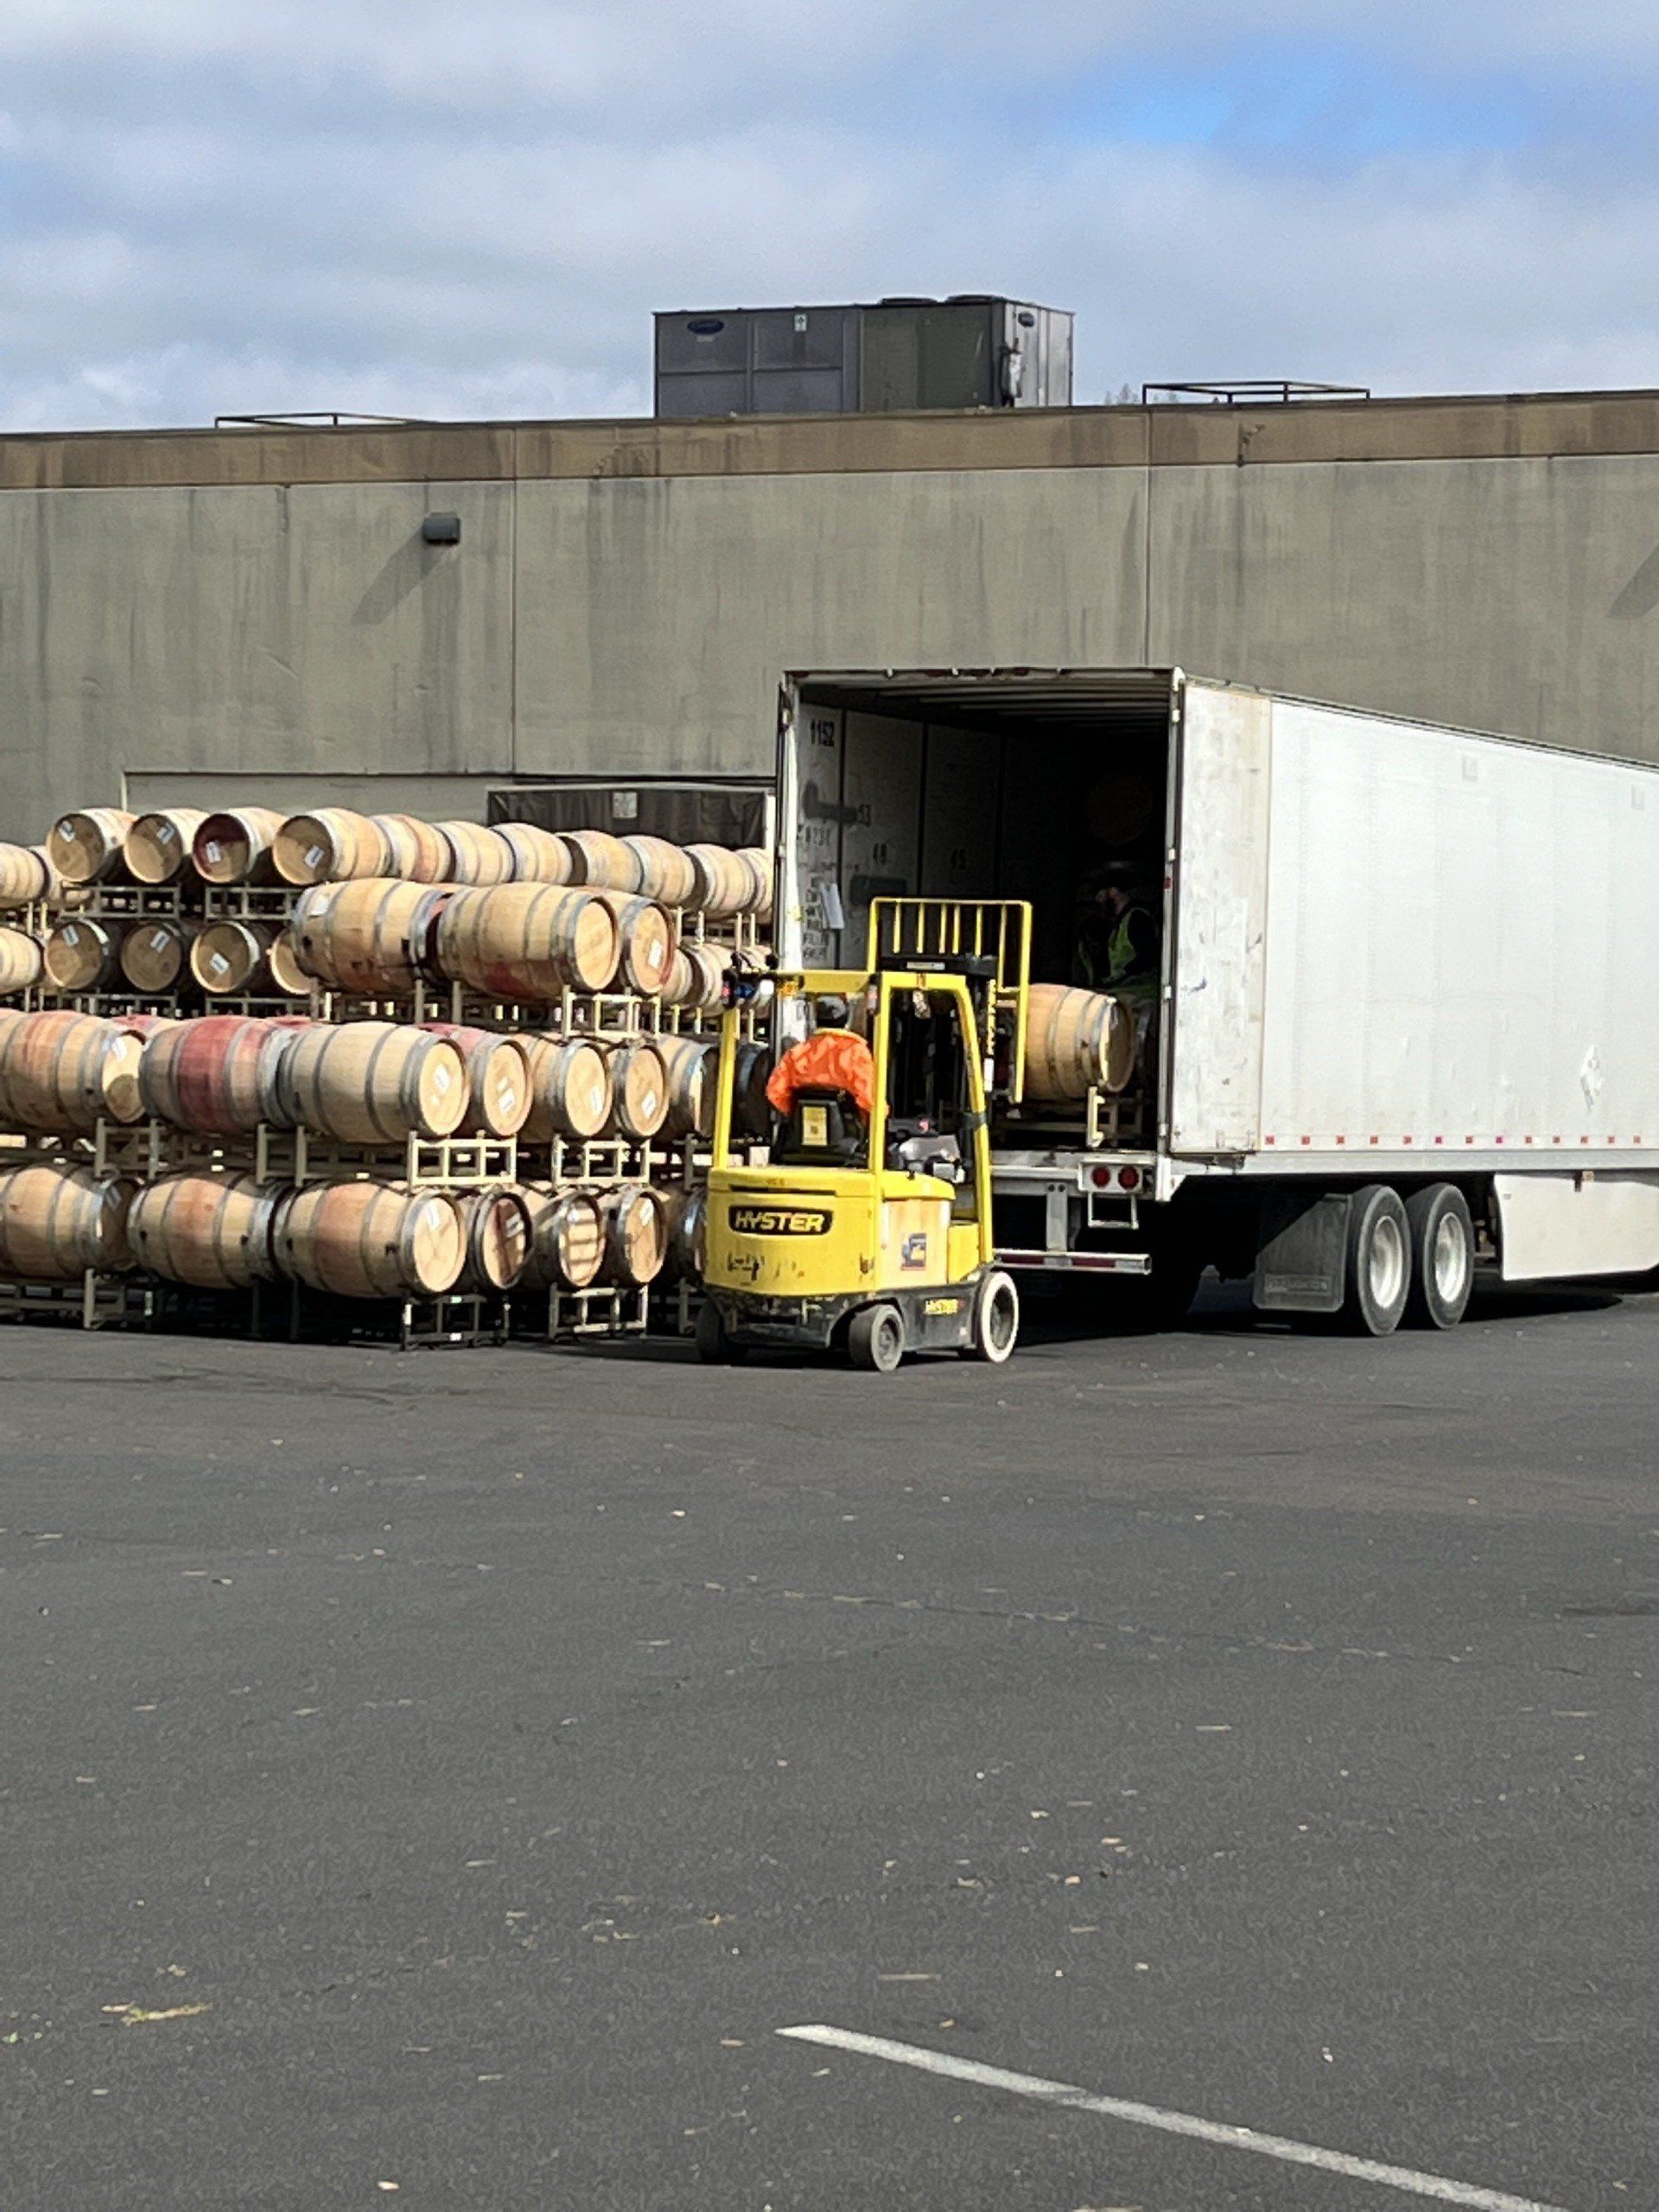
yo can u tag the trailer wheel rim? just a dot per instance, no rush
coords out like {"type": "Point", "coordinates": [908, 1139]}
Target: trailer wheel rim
{"type": "Point", "coordinates": [1385, 1262]}
{"type": "Point", "coordinates": [1450, 1260]}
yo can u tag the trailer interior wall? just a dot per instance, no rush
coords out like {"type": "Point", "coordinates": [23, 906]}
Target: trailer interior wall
{"type": "Point", "coordinates": [997, 786]}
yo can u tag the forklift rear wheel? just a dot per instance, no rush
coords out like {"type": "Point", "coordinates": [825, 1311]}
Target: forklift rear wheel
{"type": "Point", "coordinates": [875, 1338]}
{"type": "Point", "coordinates": [715, 1346]}
{"type": "Point", "coordinates": [996, 1319]}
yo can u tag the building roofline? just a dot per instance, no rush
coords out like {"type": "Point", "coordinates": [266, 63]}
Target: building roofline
{"type": "Point", "coordinates": [1453, 427]}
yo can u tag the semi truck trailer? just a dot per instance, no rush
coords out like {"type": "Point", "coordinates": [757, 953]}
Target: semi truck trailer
{"type": "Point", "coordinates": [1404, 1022]}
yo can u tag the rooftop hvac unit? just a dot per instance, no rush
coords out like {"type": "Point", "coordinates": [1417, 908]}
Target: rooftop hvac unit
{"type": "Point", "coordinates": [889, 355]}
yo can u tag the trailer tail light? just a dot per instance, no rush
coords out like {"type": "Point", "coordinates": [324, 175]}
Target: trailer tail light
{"type": "Point", "coordinates": [1128, 1178]}
{"type": "Point", "coordinates": [1100, 1178]}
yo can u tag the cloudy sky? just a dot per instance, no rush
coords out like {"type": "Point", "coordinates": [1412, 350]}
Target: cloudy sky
{"type": "Point", "coordinates": [430, 207]}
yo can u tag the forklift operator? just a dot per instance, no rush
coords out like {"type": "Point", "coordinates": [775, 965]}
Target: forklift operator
{"type": "Point", "coordinates": [831, 1058]}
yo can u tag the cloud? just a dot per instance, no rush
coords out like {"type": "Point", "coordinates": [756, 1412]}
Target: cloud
{"type": "Point", "coordinates": [413, 208]}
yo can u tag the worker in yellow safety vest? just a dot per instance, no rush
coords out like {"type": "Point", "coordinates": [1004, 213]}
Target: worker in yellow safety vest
{"type": "Point", "coordinates": [1117, 942]}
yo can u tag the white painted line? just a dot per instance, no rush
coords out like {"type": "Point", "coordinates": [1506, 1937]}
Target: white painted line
{"type": "Point", "coordinates": [1169, 2123]}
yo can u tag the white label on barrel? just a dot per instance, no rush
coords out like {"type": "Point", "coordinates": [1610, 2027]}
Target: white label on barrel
{"type": "Point", "coordinates": [218, 963]}
{"type": "Point", "coordinates": [655, 955]}
{"type": "Point", "coordinates": [441, 1079]}
{"type": "Point", "coordinates": [72, 935]}
{"type": "Point", "coordinates": [648, 1101]}
{"type": "Point", "coordinates": [66, 828]}
{"type": "Point", "coordinates": [165, 833]}
{"type": "Point", "coordinates": [510, 1099]}
{"type": "Point", "coordinates": [313, 855]}
{"type": "Point", "coordinates": [212, 850]}
{"type": "Point", "coordinates": [159, 940]}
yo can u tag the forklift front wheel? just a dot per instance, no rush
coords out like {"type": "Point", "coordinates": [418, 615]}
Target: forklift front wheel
{"type": "Point", "coordinates": [996, 1319]}
{"type": "Point", "coordinates": [875, 1338]}
{"type": "Point", "coordinates": [715, 1346]}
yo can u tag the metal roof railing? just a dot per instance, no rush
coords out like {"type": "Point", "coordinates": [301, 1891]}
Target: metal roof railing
{"type": "Point", "coordinates": [1250, 391]}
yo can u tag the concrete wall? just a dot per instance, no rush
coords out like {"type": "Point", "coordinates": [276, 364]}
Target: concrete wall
{"type": "Point", "coordinates": [297, 640]}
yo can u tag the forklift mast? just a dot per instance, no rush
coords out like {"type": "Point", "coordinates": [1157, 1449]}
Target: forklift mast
{"type": "Point", "coordinates": [986, 941]}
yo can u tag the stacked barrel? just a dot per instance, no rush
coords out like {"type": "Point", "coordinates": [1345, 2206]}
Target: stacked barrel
{"type": "Point", "coordinates": [28, 881]}
{"type": "Point", "coordinates": [368, 1056]}
{"type": "Point", "coordinates": [144, 925]}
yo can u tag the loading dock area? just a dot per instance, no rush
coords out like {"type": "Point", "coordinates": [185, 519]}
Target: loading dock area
{"type": "Point", "coordinates": [437, 1783]}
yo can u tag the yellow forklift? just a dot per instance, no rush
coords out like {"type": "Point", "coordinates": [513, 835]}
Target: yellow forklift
{"type": "Point", "coordinates": [869, 1234]}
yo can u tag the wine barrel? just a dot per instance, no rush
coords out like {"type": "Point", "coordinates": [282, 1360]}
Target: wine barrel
{"type": "Point", "coordinates": [497, 1078]}
{"type": "Point", "coordinates": [687, 1211]}
{"type": "Point", "coordinates": [726, 884]}
{"type": "Point", "coordinates": [87, 847]}
{"type": "Point", "coordinates": [667, 870]}
{"type": "Point", "coordinates": [331, 846]}
{"type": "Point", "coordinates": [62, 1071]}
{"type": "Point", "coordinates": [603, 862]}
{"type": "Point", "coordinates": [537, 855]}
{"type": "Point", "coordinates": [237, 845]}
{"type": "Point", "coordinates": [690, 1247]}
{"type": "Point", "coordinates": [287, 978]}
{"type": "Point", "coordinates": [26, 875]}
{"type": "Point", "coordinates": [636, 1234]}
{"type": "Point", "coordinates": [57, 1221]}
{"type": "Point", "coordinates": [646, 939]}
{"type": "Point", "coordinates": [496, 1224]}
{"type": "Point", "coordinates": [477, 856]}
{"type": "Point", "coordinates": [210, 1231]}
{"type": "Point", "coordinates": [567, 1247]}
{"type": "Point", "coordinates": [696, 976]}
{"type": "Point", "coordinates": [21, 963]}
{"type": "Point", "coordinates": [157, 847]}
{"type": "Point", "coordinates": [82, 954]}
{"type": "Point", "coordinates": [530, 940]}
{"type": "Point", "coordinates": [373, 1083]}
{"type": "Point", "coordinates": [692, 1064]}
{"type": "Point", "coordinates": [758, 863]}
{"type": "Point", "coordinates": [366, 936]}
{"type": "Point", "coordinates": [216, 1075]}
{"type": "Point", "coordinates": [229, 956]}
{"type": "Point", "coordinates": [415, 850]}
{"type": "Point", "coordinates": [145, 1026]}
{"type": "Point", "coordinates": [155, 956]}
{"type": "Point", "coordinates": [369, 1240]}
{"type": "Point", "coordinates": [640, 1088]}
{"type": "Point", "coordinates": [570, 1088]}
{"type": "Point", "coordinates": [1076, 1040]}
{"type": "Point", "coordinates": [751, 1110]}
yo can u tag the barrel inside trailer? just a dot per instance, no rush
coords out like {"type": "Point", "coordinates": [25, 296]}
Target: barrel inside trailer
{"type": "Point", "coordinates": [997, 784]}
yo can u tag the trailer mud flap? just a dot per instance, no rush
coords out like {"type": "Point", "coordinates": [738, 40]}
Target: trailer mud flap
{"type": "Point", "coordinates": [1301, 1258]}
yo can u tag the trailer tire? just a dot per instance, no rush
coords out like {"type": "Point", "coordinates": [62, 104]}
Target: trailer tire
{"type": "Point", "coordinates": [1442, 1256]}
{"type": "Point", "coordinates": [875, 1338]}
{"type": "Point", "coordinates": [996, 1319]}
{"type": "Point", "coordinates": [1379, 1262]}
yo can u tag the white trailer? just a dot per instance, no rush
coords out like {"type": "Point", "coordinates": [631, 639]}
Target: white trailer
{"type": "Point", "coordinates": [1408, 1010]}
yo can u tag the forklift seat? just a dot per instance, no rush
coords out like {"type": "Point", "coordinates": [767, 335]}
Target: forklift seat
{"type": "Point", "coordinates": [822, 1128]}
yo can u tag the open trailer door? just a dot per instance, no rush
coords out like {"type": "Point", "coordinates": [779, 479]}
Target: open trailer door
{"type": "Point", "coordinates": [1215, 950]}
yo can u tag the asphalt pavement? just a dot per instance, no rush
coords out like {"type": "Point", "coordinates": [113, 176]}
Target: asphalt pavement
{"type": "Point", "coordinates": [436, 1779]}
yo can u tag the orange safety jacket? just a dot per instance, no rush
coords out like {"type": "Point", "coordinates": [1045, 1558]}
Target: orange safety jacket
{"type": "Point", "coordinates": [832, 1059]}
